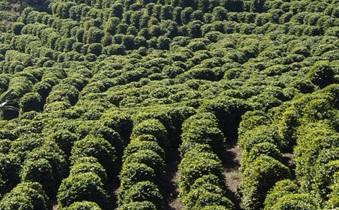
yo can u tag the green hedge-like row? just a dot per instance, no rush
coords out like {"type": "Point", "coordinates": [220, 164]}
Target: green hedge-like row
{"type": "Point", "coordinates": [261, 163]}
{"type": "Point", "coordinates": [201, 129]}
{"type": "Point", "coordinates": [92, 159]}
{"type": "Point", "coordinates": [93, 152]}
{"type": "Point", "coordinates": [316, 150]}
{"type": "Point", "coordinates": [333, 201]}
{"type": "Point", "coordinates": [10, 166]}
{"type": "Point", "coordinates": [83, 205]}
{"type": "Point", "coordinates": [120, 42]}
{"type": "Point", "coordinates": [317, 162]}
{"type": "Point", "coordinates": [94, 34]}
{"type": "Point", "coordinates": [308, 124]}
{"type": "Point", "coordinates": [174, 21]}
{"type": "Point", "coordinates": [143, 166]}
{"type": "Point", "coordinates": [39, 88]}
{"type": "Point", "coordinates": [85, 183]}
{"type": "Point", "coordinates": [26, 195]}
{"type": "Point", "coordinates": [45, 164]}
{"type": "Point", "coordinates": [259, 177]}
{"type": "Point", "coordinates": [18, 86]}
{"type": "Point", "coordinates": [68, 90]}
{"type": "Point", "coordinates": [285, 194]}
{"type": "Point", "coordinates": [39, 165]}
{"type": "Point", "coordinates": [201, 181]}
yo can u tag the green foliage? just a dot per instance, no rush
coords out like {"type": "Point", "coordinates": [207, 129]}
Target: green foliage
{"type": "Point", "coordinates": [110, 135]}
{"type": "Point", "coordinates": [259, 177]}
{"type": "Point", "coordinates": [297, 202]}
{"type": "Point", "coordinates": [201, 181]}
{"type": "Point", "coordinates": [149, 158]}
{"type": "Point", "coordinates": [143, 191]}
{"type": "Point", "coordinates": [96, 147]}
{"type": "Point", "coordinates": [152, 127]}
{"type": "Point", "coordinates": [17, 27]}
{"type": "Point", "coordinates": [143, 165]}
{"type": "Point", "coordinates": [83, 205]}
{"type": "Point", "coordinates": [65, 140]}
{"type": "Point", "coordinates": [82, 187]}
{"type": "Point", "coordinates": [265, 148]}
{"type": "Point", "coordinates": [229, 112]}
{"type": "Point", "coordinates": [87, 165]}
{"type": "Point", "coordinates": [63, 92]}
{"type": "Point", "coordinates": [94, 35]}
{"type": "Point", "coordinates": [324, 177]}
{"type": "Point", "coordinates": [141, 146]}
{"type": "Point", "coordinates": [138, 205]}
{"type": "Point", "coordinates": [95, 49]}
{"type": "Point", "coordinates": [321, 74]}
{"type": "Point", "coordinates": [52, 153]}
{"type": "Point", "coordinates": [5, 146]}
{"type": "Point", "coordinates": [26, 195]}
{"type": "Point", "coordinates": [194, 167]}
{"type": "Point", "coordinates": [333, 201]}
{"type": "Point", "coordinates": [280, 189]}
{"type": "Point", "coordinates": [39, 171]}
{"type": "Point", "coordinates": [86, 84]}
{"type": "Point", "coordinates": [203, 129]}
{"type": "Point", "coordinates": [216, 207]}
{"type": "Point", "coordinates": [260, 134]}
{"type": "Point", "coordinates": [31, 102]}
{"type": "Point", "coordinates": [119, 121]}
{"type": "Point", "coordinates": [135, 172]}
{"type": "Point", "coordinates": [258, 5]}
{"type": "Point", "coordinates": [23, 145]}
{"type": "Point", "coordinates": [9, 173]}
{"type": "Point", "coordinates": [322, 138]}
{"type": "Point", "coordinates": [206, 195]}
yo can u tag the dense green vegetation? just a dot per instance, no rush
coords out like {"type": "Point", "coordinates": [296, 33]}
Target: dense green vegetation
{"type": "Point", "coordinates": [98, 96]}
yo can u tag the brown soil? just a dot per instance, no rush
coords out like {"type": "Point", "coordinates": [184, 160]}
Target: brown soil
{"type": "Point", "coordinates": [174, 201]}
{"type": "Point", "coordinates": [171, 180]}
{"type": "Point", "coordinates": [231, 162]}
{"type": "Point", "coordinates": [230, 158]}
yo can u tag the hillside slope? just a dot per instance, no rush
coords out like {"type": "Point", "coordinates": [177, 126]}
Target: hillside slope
{"type": "Point", "coordinates": [169, 104]}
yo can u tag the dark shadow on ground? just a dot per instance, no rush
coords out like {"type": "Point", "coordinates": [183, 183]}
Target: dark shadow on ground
{"type": "Point", "coordinates": [230, 158]}
{"type": "Point", "coordinates": [169, 182]}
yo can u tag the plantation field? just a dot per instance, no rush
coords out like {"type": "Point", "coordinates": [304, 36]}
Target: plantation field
{"type": "Point", "coordinates": [169, 104]}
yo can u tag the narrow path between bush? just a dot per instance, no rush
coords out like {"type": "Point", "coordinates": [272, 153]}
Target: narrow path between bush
{"type": "Point", "coordinates": [231, 162]}
{"type": "Point", "coordinates": [171, 180]}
